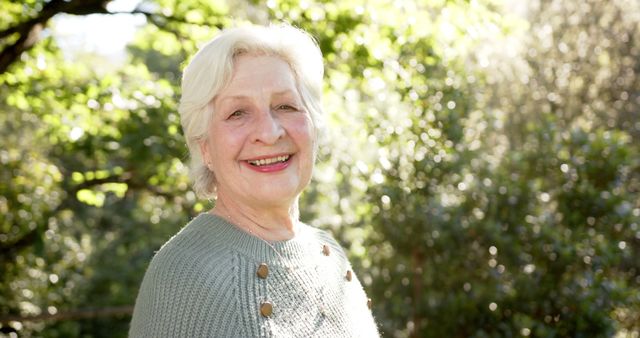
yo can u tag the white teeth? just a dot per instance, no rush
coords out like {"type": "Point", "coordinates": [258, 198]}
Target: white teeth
{"type": "Point", "coordinates": [272, 160]}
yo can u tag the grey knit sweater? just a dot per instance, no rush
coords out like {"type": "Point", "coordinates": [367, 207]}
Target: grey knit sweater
{"type": "Point", "coordinates": [214, 280]}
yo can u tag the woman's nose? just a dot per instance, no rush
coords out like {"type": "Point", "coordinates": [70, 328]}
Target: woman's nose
{"type": "Point", "coordinates": [268, 129]}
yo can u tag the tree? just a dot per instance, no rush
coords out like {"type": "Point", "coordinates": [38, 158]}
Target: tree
{"type": "Point", "coordinates": [92, 167]}
{"type": "Point", "coordinates": [482, 169]}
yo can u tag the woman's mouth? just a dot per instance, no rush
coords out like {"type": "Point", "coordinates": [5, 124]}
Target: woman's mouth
{"type": "Point", "coordinates": [269, 161]}
{"type": "Point", "coordinates": [270, 164]}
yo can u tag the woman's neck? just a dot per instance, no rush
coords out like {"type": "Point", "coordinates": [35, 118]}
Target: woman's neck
{"type": "Point", "coordinates": [269, 224]}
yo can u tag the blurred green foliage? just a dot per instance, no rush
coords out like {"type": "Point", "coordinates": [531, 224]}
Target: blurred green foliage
{"type": "Point", "coordinates": [482, 163]}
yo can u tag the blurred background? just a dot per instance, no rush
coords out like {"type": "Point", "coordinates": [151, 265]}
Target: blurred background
{"type": "Point", "coordinates": [481, 163]}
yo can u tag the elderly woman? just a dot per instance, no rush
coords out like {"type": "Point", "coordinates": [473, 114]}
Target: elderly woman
{"type": "Point", "coordinates": [251, 114]}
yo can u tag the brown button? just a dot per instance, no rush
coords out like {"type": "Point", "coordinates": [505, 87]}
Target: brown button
{"type": "Point", "coordinates": [266, 309]}
{"type": "Point", "coordinates": [325, 250]}
{"type": "Point", "coordinates": [369, 302]}
{"type": "Point", "coordinates": [349, 275]}
{"type": "Point", "coordinates": [263, 271]}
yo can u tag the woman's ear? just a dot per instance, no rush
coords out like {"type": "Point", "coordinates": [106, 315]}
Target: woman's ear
{"type": "Point", "coordinates": [204, 152]}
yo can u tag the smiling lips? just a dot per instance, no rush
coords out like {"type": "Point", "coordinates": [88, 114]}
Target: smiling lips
{"type": "Point", "coordinates": [271, 164]}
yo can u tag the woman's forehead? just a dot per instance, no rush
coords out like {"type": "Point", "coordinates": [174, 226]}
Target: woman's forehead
{"type": "Point", "coordinates": [260, 73]}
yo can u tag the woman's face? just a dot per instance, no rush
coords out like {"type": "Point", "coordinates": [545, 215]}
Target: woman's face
{"type": "Point", "coordinates": [260, 142]}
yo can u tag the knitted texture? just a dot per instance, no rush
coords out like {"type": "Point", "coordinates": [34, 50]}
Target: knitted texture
{"type": "Point", "coordinates": [203, 283]}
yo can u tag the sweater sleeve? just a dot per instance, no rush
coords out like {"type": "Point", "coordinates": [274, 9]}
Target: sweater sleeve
{"type": "Point", "coordinates": [187, 291]}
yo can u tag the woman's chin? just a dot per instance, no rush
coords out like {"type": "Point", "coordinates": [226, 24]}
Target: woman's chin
{"type": "Point", "coordinates": [275, 195]}
{"type": "Point", "coordinates": [276, 189]}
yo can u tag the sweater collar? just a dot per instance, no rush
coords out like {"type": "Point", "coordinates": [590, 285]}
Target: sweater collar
{"type": "Point", "coordinates": [292, 251]}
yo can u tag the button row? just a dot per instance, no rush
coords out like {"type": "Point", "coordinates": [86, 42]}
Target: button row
{"type": "Point", "coordinates": [263, 272]}
{"type": "Point", "coordinates": [266, 308]}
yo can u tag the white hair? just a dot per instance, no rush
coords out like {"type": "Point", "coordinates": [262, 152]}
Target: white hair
{"type": "Point", "coordinates": [211, 69]}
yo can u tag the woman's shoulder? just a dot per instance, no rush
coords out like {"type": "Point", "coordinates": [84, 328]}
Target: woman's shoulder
{"type": "Point", "coordinates": [325, 237]}
{"type": "Point", "coordinates": [187, 283]}
{"type": "Point", "coordinates": [194, 245]}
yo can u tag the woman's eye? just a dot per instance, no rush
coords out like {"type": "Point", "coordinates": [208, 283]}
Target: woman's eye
{"type": "Point", "coordinates": [286, 107]}
{"type": "Point", "coordinates": [236, 114]}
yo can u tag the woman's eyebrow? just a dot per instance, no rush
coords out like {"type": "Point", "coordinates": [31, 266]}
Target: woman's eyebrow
{"type": "Point", "coordinates": [286, 92]}
{"type": "Point", "coordinates": [234, 98]}
{"type": "Point", "coordinates": [240, 97]}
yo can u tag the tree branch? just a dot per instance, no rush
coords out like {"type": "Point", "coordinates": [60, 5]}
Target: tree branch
{"type": "Point", "coordinates": [161, 21]}
{"type": "Point", "coordinates": [25, 42]}
{"type": "Point", "coordinates": [72, 315]}
{"type": "Point", "coordinates": [8, 251]}
{"type": "Point", "coordinates": [29, 31]}
{"type": "Point", "coordinates": [124, 178]}
{"type": "Point", "coordinates": [153, 17]}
